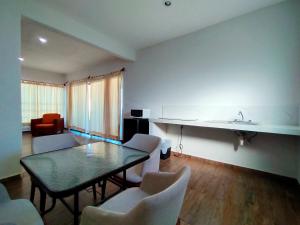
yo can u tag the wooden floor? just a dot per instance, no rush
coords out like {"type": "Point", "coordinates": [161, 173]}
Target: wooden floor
{"type": "Point", "coordinates": [217, 195]}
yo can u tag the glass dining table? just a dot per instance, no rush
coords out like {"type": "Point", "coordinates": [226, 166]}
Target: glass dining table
{"type": "Point", "coordinates": [66, 172]}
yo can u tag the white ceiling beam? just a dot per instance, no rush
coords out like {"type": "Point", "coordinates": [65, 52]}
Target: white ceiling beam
{"type": "Point", "coordinates": [41, 13]}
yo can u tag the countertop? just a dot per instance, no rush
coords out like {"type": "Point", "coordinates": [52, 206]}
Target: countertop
{"type": "Point", "coordinates": [263, 128]}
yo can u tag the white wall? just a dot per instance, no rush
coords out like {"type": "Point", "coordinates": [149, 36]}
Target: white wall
{"type": "Point", "coordinates": [266, 152]}
{"type": "Point", "coordinates": [10, 105]}
{"type": "Point", "coordinates": [249, 63]}
{"type": "Point", "coordinates": [42, 75]}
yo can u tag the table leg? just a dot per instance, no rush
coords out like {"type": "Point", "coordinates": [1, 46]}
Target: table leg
{"type": "Point", "coordinates": [103, 188]}
{"type": "Point", "coordinates": [32, 191]}
{"type": "Point", "coordinates": [124, 180]}
{"type": "Point", "coordinates": [94, 192]}
{"type": "Point", "coordinates": [42, 202]}
{"type": "Point", "coordinates": [76, 208]}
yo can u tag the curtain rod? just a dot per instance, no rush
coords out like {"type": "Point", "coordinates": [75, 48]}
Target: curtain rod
{"type": "Point", "coordinates": [41, 83]}
{"type": "Point", "coordinates": [96, 76]}
{"type": "Point", "coordinates": [121, 70]}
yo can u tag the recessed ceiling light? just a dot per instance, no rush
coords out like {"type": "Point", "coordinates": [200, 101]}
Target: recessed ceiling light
{"type": "Point", "coordinates": [167, 3]}
{"type": "Point", "coordinates": [21, 59]}
{"type": "Point", "coordinates": [43, 40]}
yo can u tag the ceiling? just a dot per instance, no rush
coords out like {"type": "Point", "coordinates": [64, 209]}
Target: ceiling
{"type": "Point", "coordinates": [61, 54]}
{"type": "Point", "coordinates": [142, 23]}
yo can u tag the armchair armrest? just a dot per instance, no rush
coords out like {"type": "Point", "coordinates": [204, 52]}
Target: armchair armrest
{"type": "Point", "coordinates": [59, 124]}
{"type": "Point", "coordinates": [162, 180]}
{"type": "Point", "coordinates": [33, 123]}
{"type": "Point", "coordinates": [97, 216]}
{"type": "Point", "coordinates": [36, 121]}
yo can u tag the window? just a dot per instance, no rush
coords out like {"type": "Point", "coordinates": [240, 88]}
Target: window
{"type": "Point", "coordinates": [78, 106]}
{"type": "Point", "coordinates": [38, 99]}
{"type": "Point", "coordinates": [95, 105]}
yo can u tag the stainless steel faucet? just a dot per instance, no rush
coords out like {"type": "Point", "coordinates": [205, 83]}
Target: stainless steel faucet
{"type": "Point", "coordinates": [241, 115]}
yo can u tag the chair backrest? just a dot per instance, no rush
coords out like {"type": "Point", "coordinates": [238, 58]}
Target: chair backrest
{"type": "Point", "coordinates": [164, 207]}
{"type": "Point", "coordinates": [50, 117]}
{"type": "Point", "coordinates": [4, 197]}
{"type": "Point", "coordinates": [53, 142]}
{"type": "Point", "coordinates": [143, 142]}
{"type": "Point", "coordinates": [150, 144]}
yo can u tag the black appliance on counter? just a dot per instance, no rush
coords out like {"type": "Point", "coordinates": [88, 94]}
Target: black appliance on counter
{"type": "Point", "coordinates": [131, 126]}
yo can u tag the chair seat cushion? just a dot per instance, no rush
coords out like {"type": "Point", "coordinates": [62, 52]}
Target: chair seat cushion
{"type": "Point", "coordinates": [44, 125]}
{"type": "Point", "coordinates": [125, 201]}
{"type": "Point", "coordinates": [20, 212]}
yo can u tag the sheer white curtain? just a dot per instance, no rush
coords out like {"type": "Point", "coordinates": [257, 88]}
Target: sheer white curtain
{"type": "Point", "coordinates": [38, 99]}
{"type": "Point", "coordinates": [50, 99]}
{"type": "Point", "coordinates": [95, 105]}
{"type": "Point", "coordinates": [105, 105]}
{"type": "Point", "coordinates": [29, 102]}
{"type": "Point", "coordinates": [78, 106]}
{"type": "Point", "coordinates": [97, 123]}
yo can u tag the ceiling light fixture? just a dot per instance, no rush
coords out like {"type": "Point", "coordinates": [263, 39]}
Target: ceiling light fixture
{"type": "Point", "coordinates": [167, 3]}
{"type": "Point", "coordinates": [43, 40]}
{"type": "Point", "coordinates": [21, 59]}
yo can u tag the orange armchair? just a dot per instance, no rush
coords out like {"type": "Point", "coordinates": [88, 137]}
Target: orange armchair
{"type": "Point", "coordinates": [51, 123]}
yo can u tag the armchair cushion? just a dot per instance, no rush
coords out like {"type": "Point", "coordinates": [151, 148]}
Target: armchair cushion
{"type": "Point", "coordinates": [44, 125]}
{"type": "Point", "coordinates": [50, 117]}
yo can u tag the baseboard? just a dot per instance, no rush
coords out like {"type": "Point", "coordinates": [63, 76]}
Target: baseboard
{"type": "Point", "coordinates": [26, 131]}
{"type": "Point", "coordinates": [26, 128]}
{"type": "Point", "coordinates": [10, 178]}
{"type": "Point", "coordinates": [281, 178]}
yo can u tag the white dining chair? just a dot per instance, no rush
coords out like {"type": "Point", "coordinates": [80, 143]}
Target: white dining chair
{"type": "Point", "coordinates": [19, 212]}
{"type": "Point", "coordinates": [147, 143]}
{"type": "Point", "coordinates": [157, 202]}
{"type": "Point", "coordinates": [53, 142]}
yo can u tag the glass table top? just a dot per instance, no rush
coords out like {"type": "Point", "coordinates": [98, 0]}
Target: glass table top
{"type": "Point", "coordinates": [68, 168]}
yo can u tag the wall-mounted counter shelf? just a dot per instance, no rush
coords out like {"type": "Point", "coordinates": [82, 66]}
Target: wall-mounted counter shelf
{"type": "Point", "coordinates": [273, 129]}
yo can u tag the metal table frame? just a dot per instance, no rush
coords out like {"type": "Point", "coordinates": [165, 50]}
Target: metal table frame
{"type": "Point", "coordinates": [37, 183]}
